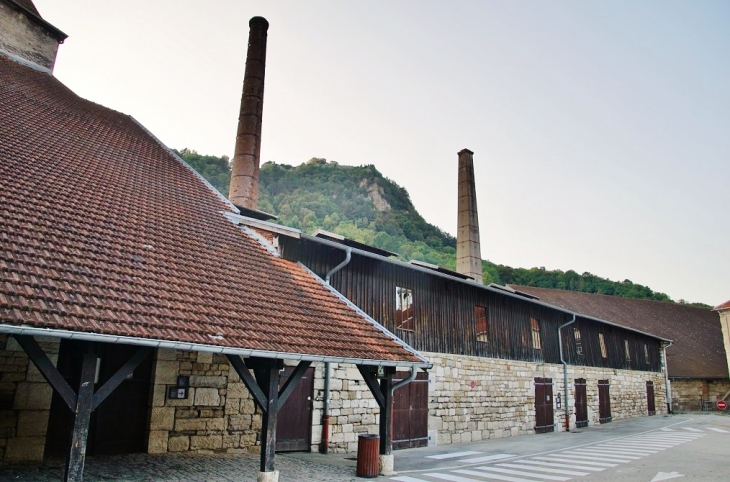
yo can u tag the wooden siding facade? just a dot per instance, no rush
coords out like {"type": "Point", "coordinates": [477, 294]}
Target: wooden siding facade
{"type": "Point", "coordinates": [446, 318]}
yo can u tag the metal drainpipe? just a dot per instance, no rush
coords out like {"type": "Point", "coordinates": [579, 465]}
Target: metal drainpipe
{"type": "Point", "coordinates": [565, 373]}
{"type": "Point", "coordinates": [324, 446]}
{"type": "Point", "coordinates": [405, 381]}
{"type": "Point", "coordinates": [666, 378]}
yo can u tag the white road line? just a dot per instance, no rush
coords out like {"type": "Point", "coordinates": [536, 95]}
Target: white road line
{"type": "Point", "coordinates": [621, 450]}
{"type": "Point", "coordinates": [690, 429]}
{"type": "Point", "coordinates": [491, 476]}
{"type": "Point", "coordinates": [405, 478]}
{"type": "Point", "coordinates": [583, 462]}
{"type": "Point", "coordinates": [567, 466]}
{"type": "Point", "coordinates": [639, 445]}
{"type": "Point", "coordinates": [543, 469]}
{"type": "Point", "coordinates": [452, 455]}
{"type": "Point", "coordinates": [594, 457]}
{"type": "Point", "coordinates": [487, 458]}
{"type": "Point", "coordinates": [665, 429]}
{"type": "Point", "coordinates": [500, 470]}
{"type": "Point", "coordinates": [717, 430]}
{"type": "Point", "coordinates": [602, 452]}
{"type": "Point", "coordinates": [452, 478]}
{"type": "Point", "coordinates": [679, 436]}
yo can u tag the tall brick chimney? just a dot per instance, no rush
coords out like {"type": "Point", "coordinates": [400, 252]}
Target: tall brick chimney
{"type": "Point", "coordinates": [468, 251]}
{"type": "Point", "coordinates": [244, 188]}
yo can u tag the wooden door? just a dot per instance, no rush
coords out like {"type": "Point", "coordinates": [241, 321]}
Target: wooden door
{"type": "Point", "coordinates": [650, 398]}
{"type": "Point", "coordinates": [294, 424]}
{"type": "Point", "coordinates": [604, 402]}
{"type": "Point", "coordinates": [581, 403]}
{"type": "Point", "coordinates": [544, 405]}
{"type": "Point", "coordinates": [119, 425]}
{"type": "Point", "coordinates": [410, 412]}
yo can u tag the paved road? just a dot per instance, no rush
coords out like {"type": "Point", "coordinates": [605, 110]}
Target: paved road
{"type": "Point", "coordinates": [649, 449]}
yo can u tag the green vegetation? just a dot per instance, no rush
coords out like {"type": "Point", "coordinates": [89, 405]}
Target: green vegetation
{"type": "Point", "coordinates": [361, 204]}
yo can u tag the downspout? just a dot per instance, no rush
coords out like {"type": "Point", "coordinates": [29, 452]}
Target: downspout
{"type": "Point", "coordinates": [667, 384]}
{"type": "Point", "coordinates": [565, 373]}
{"type": "Point", "coordinates": [324, 446]}
{"type": "Point", "coordinates": [405, 381]}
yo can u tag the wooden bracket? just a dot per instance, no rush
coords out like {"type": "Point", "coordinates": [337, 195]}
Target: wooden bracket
{"type": "Point", "coordinates": [47, 369]}
{"type": "Point", "coordinates": [292, 381]}
{"type": "Point", "coordinates": [121, 374]}
{"type": "Point", "coordinates": [369, 376]}
{"type": "Point", "coordinates": [248, 380]}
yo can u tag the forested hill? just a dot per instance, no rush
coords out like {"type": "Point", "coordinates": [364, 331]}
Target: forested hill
{"type": "Point", "coordinates": [361, 204]}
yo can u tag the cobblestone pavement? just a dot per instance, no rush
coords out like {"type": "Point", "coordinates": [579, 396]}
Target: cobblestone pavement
{"type": "Point", "coordinates": [299, 467]}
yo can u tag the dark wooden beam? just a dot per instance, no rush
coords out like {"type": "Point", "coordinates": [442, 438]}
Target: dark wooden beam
{"type": "Point", "coordinates": [121, 374]}
{"type": "Point", "coordinates": [292, 381]}
{"type": "Point", "coordinates": [386, 412]}
{"type": "Point", "coordinates": [47, 369]}
{"type": "Point", "coordinates": [258, 395]}
{"type": "Point", "coordinates": [369, 376]}
{"type": "Point", "coordinates": [82, 415]}
{"type": "Point", "coordinates": [270, 377]}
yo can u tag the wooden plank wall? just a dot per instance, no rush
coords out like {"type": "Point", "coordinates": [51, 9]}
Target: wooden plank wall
{"type": "Point", "coordinates": [444, 312]}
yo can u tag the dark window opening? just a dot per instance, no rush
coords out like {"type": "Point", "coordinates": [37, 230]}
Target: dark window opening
{"type": "Point", "coordinates": [578, 342]}
{"type": "Point", "coordinates": [535, 334]}
{"type": "Point", "coordinates": [602, 341]}
{"type": "Point", "coordinates": [482, 324]}
{"type": "Point", "coordinates": [404, 309]}
{"type": "Point", "coordinates": [626, 350]}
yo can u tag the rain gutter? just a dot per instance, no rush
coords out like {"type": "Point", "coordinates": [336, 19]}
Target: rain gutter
{"type": "Point", "coordinates": [565, 373]}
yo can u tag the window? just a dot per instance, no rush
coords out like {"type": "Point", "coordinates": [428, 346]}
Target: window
{"type": "Point", "coordinates": [404, 309]}
{"type": "Point", "coordinates": [602, 341]}
{"type": "Point", "coordinates": [578, 342]}
{"type": "Point", "coordinates": [535, 334]}
{"type": "Point", "coordinates": [646, 353]}
{"type": "Point", "coordinates": [480, 315]}
{"type": "Point", "coordinates": [626, 350]}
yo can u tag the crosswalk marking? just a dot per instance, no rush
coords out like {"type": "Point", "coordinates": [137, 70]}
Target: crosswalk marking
{"type": "Point", "coordinates": [583, 462]}
{"type": "Point", "coordinates": [665, 429]}
{"type": "Point", "coordinates": [567, 466]}
{"type": "Point", "coordinates": [492, 476]}
{"type": "Point", "coordinates": [691, 429]}
{"type": "Point", "coordinates": [501, 470]}
{"type": "Point", "coordinates": [600, 452]}
{"type": "Point", "coordinates": [623, 450]}
{"type": "Point", "coordinates": [452, 478]}
{"type": "Point", "coordinates": [639, 446]}
{"type": "Point", "coordinates": [452, 455]}
{"type": "Point", "coordinates": [595, 457]}
{"type": "Point", "coordinates": [405, 478]}
{"type": "Point", "coordinates": [543, 469]}
{"type": "Point", "coordinates": [717, 430]}
{"type": "Point", "coordinates": [487, 458]}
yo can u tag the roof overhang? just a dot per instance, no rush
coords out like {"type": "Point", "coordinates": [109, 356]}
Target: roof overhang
{"type": "Point", "coordinates": [57, 34]}
{"type": "Point", "coordinates": [184, 346]}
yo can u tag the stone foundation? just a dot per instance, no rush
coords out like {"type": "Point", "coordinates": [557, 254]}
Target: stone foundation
{"type": "Point", "coordinates": [687, 395]}
{"type": "Point", "coordinates": [25, 401]}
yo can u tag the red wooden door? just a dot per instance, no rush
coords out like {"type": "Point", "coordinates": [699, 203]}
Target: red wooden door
{"type": "Point", "coordinates": [294, 424]}
{"type": "Point", "coordinates": [581, 403]}
{"type": "Point", "coordinates": [544, 421]}
{"type": "Point", "coordinates": [604, 402]}
{"type": "Point", "coordinates": [410, 412]}
{"type": "Point", "coordinates": [650, 398]}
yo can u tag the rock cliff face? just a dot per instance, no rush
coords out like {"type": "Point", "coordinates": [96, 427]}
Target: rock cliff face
{"type": "Point", "coordinates": [375, 194]}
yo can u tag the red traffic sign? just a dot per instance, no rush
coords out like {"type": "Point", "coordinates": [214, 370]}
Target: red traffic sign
{"type": "Point", "coordinates": [721, 405]}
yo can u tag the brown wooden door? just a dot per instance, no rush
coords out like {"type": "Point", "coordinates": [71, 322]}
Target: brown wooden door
{"type": "Point", "coordinates": [119, 425]}
{"type": "Point", "coordinates": [410, 412]}
{"type": "Point", "coordinates": [650, 398]}
{"type": "Point", "coordinates": [294, 424]}
{"type": "Point", "coordinates": [581, 403]}
{"type": "Point", "coordinates": [604, 402]}
{"type": "Point", "coordinates": [544, 405]}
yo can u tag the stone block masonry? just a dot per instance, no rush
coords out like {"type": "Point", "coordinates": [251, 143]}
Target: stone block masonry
{"type": "Point", "coordinates": [688, 394]}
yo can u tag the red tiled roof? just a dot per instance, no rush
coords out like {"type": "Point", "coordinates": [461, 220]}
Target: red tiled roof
{"type": "Point", "coordinates": [724, 306]}
{"type": "Point", "coordinates": [103, 230]}
{"type": "Point", "coordinates": [697, 350]}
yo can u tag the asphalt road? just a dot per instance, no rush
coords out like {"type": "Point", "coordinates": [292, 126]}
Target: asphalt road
{"type": "Point", "coordinates": [650, 449]}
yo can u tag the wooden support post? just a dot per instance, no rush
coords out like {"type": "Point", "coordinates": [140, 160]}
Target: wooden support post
{"type": "Point", "coordinates": [82, 416]}
{"type": "Point", "coordinates": [386, 412]}
{"type": "Point", "coordinates": [269, 378]}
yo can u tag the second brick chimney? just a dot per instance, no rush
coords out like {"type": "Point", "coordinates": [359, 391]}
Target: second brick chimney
{"type": "Point", "coordinates": [468, 250]}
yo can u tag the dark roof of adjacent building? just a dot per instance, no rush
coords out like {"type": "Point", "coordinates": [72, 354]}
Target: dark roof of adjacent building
{"type": "Point", "coordinates": [697, 350]}
{"type": "Point", "coordinates": [105, 231]}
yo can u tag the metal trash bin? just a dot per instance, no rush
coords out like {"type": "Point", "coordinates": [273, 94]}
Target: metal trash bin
{"type": "Point", "coordinates": [368, 455]}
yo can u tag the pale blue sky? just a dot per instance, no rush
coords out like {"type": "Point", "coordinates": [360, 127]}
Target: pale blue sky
{"type": "Point", "coordinates": [601, 130]}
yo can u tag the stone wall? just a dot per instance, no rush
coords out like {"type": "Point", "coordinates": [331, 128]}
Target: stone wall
{"type": "Point", "coordinates": [219, 415]}
{"type": "Point", "coordinates": [688, 394]}
{"type": "Point", "coordinates": [25, 39]}
{"type": "Point", "coordinates": [25, 401]}
{"type": "Point", "coordinates": [501, 402]}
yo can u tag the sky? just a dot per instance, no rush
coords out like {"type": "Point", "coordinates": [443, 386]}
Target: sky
{"type": "Point", "coordinates": [600, 130]}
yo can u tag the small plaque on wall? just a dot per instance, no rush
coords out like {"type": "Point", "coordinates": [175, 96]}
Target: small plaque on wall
{"type": "Point", "coordinates": [177, 393]}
